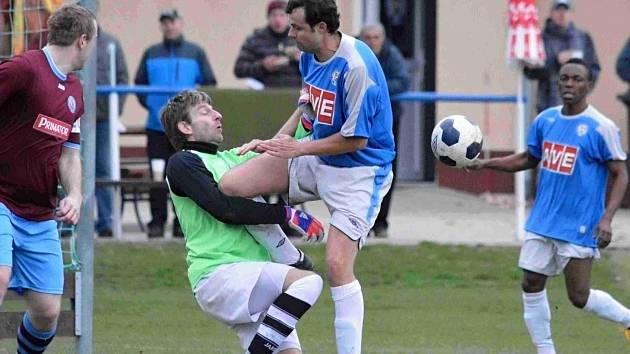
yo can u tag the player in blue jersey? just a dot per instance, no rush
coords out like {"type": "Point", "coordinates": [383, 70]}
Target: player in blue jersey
{"type": "Point", "coordinates": [346, 161]}
{"type": "Point", "coordinates": [578, 150]}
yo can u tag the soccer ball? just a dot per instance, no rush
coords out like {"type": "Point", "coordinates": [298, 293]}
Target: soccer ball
{"type": "Point", "coordinates": [456, 141]}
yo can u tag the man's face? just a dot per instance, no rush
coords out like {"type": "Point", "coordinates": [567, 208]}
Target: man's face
{"type": "Point", "coordinates": [307, 38]}
{"type": "Point", "coordinates": [278, 20]}
{"type": "Point", "coordinates": [374, 39]}
{"type": "Point", "coordinates": [171, 28]}
{"type": "Point", "coordinates": [206, 124]}
{"type": "Point", "coordinates": [573, 83]}
{"type": "Point", "coordinates": [86, 50]}
{"type": "Point", "coordinates": [561, 16]}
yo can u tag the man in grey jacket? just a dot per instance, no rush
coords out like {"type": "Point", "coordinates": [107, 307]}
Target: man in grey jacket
{"type": "Point", "coordinates": [563, 40]}
{"type": "Point", "coordinates": [397, 76]}
{"type": "Point", "coordinates": [104, 195]}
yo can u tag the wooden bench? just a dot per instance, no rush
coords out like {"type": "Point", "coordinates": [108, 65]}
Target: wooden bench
{"type": "Point", "coordinates": [132, 190]}
{"type": "Point", "coordinates": [68, 322]}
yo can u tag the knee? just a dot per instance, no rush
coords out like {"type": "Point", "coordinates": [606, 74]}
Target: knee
{"type": "Point", "coordinates": [529, 286]}
{"type": "Point", "coordinates": [579, 298]}
{"type": "Point", "coordinates": [337, 268]}
{"type": "Point", "coordinates": [228, 187]}
{"type": "Point", "coordinates": [312, 284]}
{"type": "Point", "coordinates": [44, 318]}
{"type": "Point", "coordinates": [533, 282]}
{"type": "Point", "coordinates": [315, 281]}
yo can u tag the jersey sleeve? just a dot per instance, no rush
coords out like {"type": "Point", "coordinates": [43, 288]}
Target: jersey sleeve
{"type": "Point", "coordinates": [188, 177]}
{"type": "Point", "coordinates": [15, 75]}
{"type": "Point", "coordinates": [534, 139]}
{"type": "Point", "coordinates": [609, 143]}
{"type": "Point", "coordinates": [74, 142]}
{"type": "Point", "coordinates": [360, 103]}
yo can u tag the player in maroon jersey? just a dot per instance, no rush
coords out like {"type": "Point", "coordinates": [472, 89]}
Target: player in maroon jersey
{"type": "Point", "coordinates": [41, 101]}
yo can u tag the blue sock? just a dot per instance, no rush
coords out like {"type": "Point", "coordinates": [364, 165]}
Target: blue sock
{"type": "Point", "coordinates": [31, 340]}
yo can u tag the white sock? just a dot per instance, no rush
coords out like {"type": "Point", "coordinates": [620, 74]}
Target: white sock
{"type": "Point", "coordinates": [284, 314]}
{"type": "Point", "coordinates": [605, 306]}
{"type": "Point", "coordinates": [537, 318]}
{"type": "Point", "coordinates": [275, 241]}
{"type": "Point", "coordinates": [348, 300]}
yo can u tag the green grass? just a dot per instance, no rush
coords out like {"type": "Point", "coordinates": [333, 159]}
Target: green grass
{"type": "Point", "coordinates": [425, 299]}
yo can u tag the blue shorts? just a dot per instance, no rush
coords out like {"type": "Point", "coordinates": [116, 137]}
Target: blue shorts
{"type": "Point", "coordinates": [33, 250]}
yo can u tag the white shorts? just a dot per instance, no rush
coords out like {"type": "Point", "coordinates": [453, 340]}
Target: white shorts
{"type": "Point", "coordinates": [239, 295]}
{"type": "Point", "coordinates": [352, 195]}
{"type": "Point", "coordinates": [549, 256]}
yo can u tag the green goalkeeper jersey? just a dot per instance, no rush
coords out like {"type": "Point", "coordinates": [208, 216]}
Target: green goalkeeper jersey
{"type": "Point", "coordinates": [210, 242]}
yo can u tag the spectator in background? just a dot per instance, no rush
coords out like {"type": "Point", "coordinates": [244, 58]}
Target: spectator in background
{"type": "Point", "coordinates": [563, 41]}
{"type": "Point", "coordinates": [174, 62]}
{"type": "Point", "coordinates": [395, 70]}
{"type": "Point", "coordinates": [623, 70]}
{"type": "Point", "coordinates": [104, 195]}
{"type": "Point", "coordinates": [269, 55]}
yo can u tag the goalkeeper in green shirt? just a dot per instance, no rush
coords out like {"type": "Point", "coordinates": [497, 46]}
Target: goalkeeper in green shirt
{"type": "Point", "coordinates": [229, 255]}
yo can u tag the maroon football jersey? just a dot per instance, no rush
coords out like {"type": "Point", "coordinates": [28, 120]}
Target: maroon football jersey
{"type": "Point", "coordinates": [39, 111]}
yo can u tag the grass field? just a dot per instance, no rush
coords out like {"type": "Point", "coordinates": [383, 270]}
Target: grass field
{"type": "Point", "coordinates": [424, 299]}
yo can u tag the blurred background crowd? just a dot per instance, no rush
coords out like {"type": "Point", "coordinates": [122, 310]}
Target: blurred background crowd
{"type": "Point", "coordinates": [422, 45]}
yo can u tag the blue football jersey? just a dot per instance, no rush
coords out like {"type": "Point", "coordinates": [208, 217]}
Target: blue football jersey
{"type": "Point", "coordinates": [349, 95]}
{"type": "Point", "coordinates": [573, 174]}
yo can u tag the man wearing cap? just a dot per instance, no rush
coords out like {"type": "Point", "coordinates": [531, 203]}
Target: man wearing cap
{"type": "Point", "coordinates": [269, 55]}
{"type": "Point", "coordinates": [563, 41]}
{"type": "Point", "coordinates": [173, 62]}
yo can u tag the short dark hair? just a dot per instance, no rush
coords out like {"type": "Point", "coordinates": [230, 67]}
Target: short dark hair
{"type": "Point", "coordinates": [580, 61]}
{"type": "Point", "coordinates": [176, 110]}
{"type": "Point", "coordinates": [69, 23]}
{"type": "Point", "coordinates": [316, 11]}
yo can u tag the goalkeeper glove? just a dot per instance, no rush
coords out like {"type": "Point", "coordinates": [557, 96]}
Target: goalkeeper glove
{"type": "Point", "coordinates": [304, 223]}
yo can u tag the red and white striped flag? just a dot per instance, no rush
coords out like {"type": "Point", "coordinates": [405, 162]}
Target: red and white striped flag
{"type": "Point", "coordinates": [524, 38]}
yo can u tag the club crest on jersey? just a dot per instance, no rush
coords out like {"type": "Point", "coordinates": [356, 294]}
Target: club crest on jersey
{"type": "Point", "coordinates": [323, 103]}
{"type": "Point", "coordinates": [334, 77]}
{"type": "Point", "coordinates": [72, 104]}
{"type": "Point", "coordinates": [582, 129]}
{"type": "Point", "coordinates": [52, 126]}
{"type": "Point", "coordinates": [559, 158]}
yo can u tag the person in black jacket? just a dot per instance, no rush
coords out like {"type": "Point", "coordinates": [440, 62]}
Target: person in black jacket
{"type": "Point", "coordinates": [563, 41]}
{"type": "Point", "coordinates": [623, 71]}
{"type": "Point", "coordinates": [269, 55]}
{"type": "Point", "coordinates": [174, 62]}
{"type": "Point", "coordinates": [397, 77]}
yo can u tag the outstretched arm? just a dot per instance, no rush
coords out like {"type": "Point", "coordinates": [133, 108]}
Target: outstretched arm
{"type": "Point", "coordinates": [512, 163]}
{"type": "Point", "coordinates": [287, 147]}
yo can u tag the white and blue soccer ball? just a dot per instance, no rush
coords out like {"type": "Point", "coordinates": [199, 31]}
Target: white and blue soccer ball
{"type": "Point", "coordinates": [456, 141]}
